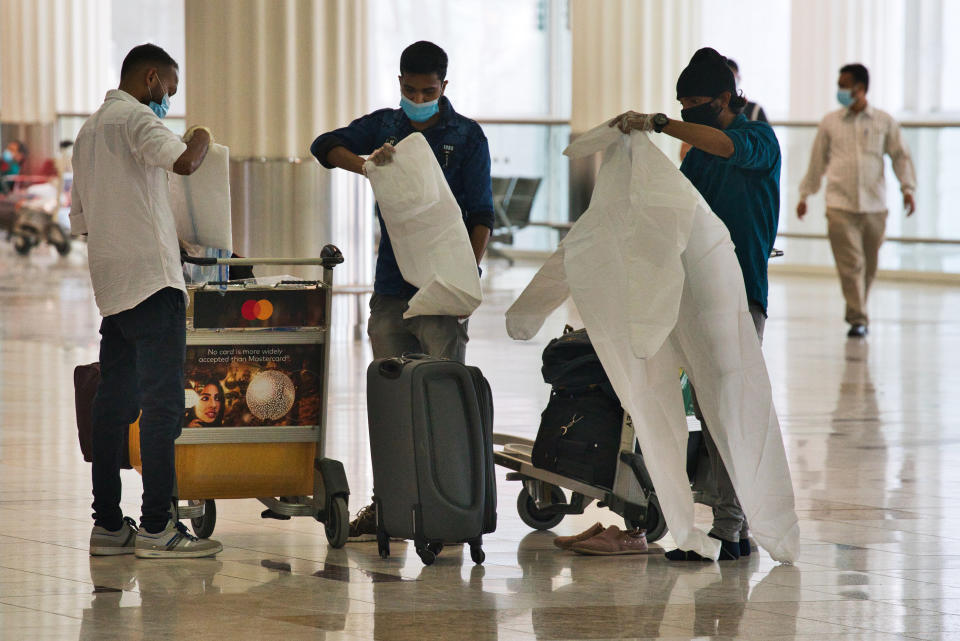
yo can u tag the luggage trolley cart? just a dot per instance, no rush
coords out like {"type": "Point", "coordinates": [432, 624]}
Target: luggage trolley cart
{"type": "Point", "coordinates": [265, 351]}
{"type": "Point", "coordinates": [542, 503]}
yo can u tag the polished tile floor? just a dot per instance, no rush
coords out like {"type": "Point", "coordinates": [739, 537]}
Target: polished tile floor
{"type": "Point", "coordinates": [872, 431]}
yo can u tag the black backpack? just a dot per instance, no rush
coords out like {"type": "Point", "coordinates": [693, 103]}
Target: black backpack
{"type": "Point", "coordinates": [579, 433]}
{"type": "Point", "coordinates": [570, 363]}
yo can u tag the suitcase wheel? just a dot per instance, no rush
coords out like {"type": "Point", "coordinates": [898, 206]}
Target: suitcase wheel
{"type": "Point", "coordinates": [337, 524]}
{"type": "Point", "coordinates": [436, 547]}
{"type": "Point", "coordinates": [426, 555]}
{"type": "Point", "coordinates": [476, 554]}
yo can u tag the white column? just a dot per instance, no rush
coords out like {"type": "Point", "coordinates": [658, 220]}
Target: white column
{"type": "Point", "coordinates": [267, 77]}
{"type": "Point", "coordinates": [627, 54]}
{"type": "Point", "coordinates": [826, 34]}
{"type": "Point", "coordinates": [53, 58]}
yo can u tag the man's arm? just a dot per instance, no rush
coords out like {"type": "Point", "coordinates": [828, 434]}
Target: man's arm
{"type": "Point", "coordinates": [478, 196]}
{"type": "Point", "coordinates": [479, 237]}
{"type": "Point", "coordinates": [157, 146]}
{"type": "Point", "coordinates": [897, 149]}
{"type": "Point", "coordinates": [78, 222]}
{"type": "Point", "coordinates": [819, 157]}
{"type": "Point", "coordinates": [344, 147]}
{"type": "Point", "coordinates": [708, 139]}
{"type": "Point", "coordinates": [191, 159]}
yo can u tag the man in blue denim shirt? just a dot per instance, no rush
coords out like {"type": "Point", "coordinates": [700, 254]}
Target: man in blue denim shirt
{"type": "Point", "coordinates": [461, 150]}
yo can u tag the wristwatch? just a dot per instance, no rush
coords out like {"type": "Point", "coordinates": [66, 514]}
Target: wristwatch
{"type": "Point", "coordinates": [659, 122]}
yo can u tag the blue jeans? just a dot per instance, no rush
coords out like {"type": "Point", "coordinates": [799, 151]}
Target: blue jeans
{"type": "Point", "coordinates": [142, 354]}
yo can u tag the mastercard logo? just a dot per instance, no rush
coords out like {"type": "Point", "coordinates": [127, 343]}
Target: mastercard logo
{"type": "Point", "coordinates": [256, 310]}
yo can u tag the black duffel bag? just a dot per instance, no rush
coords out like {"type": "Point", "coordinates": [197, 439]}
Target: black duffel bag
{"type": "Point", "coordinates": [571, 363]}
{"type": "Point", "coordinates": [579, 434]}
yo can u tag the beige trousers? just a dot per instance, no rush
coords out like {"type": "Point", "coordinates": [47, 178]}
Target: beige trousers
{"type": "Point", "coordinates": [855, 239]}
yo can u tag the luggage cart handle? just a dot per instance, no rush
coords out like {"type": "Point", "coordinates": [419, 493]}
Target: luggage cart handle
{"type": "Point", "coordinates": [330, 257]}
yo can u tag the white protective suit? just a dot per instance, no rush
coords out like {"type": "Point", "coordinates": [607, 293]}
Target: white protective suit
{"type": "Point", "coordinates": [426, 230]}
{"type": "Point", "coordinates": [201, 202]}
{"type": "Point", "coordinates": [654, 276]}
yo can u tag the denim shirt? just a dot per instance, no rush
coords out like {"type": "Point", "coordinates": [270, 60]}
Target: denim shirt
{"type": "Point", "coordinates": [461, 150]}
{"type": "Point", "coordinates": [744, 192]}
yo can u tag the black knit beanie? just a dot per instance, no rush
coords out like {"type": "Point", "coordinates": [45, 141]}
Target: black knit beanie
{"type": "Point", "coordinates": [706, 75]}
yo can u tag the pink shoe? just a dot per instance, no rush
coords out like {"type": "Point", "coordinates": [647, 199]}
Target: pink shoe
{"type": "Point", "coordinates": [565, 542]}
{"type": "Point", "coordinates": [614, 541]}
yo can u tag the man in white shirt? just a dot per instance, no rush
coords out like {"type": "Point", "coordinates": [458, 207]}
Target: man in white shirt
{"type": "Point", "coordinates": [120, 201]}
{"type": "Point", "coordinates": [849, 148]}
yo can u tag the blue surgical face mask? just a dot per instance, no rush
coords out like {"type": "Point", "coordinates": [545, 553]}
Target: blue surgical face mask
{"type": "Point", "coordinates": [164, 106]}
{"type": "Point", "coordinates": [419, 112]}
{"type": "Point", "coordinates": [7, 155]}
{"type": "Point", "coordinates": [845, 97]}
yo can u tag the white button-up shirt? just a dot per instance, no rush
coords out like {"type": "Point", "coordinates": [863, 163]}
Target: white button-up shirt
{"type": "Point", "coordinates": [120, 200]}
{"type": "Point", "coordinates": [849, 147]}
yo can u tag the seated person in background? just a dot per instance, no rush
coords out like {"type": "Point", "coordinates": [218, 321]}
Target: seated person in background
{"type": "Point", "coordinates": [11, 164]}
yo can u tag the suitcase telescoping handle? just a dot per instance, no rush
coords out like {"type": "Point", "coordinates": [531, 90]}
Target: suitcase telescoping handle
{"type": "Point", "coordinates": [330, 257]}
{"type": "Point", "coordinates": [391, 367]}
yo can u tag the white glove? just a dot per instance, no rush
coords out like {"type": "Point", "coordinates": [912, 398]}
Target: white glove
{"type": "Point", "coordinates": [633, 121]}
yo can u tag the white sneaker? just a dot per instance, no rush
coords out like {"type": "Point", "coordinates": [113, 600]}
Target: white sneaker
{"type": "Point", "coordinates": [103, 542]}
{"type": "Point", "coordinates": [174, 542]}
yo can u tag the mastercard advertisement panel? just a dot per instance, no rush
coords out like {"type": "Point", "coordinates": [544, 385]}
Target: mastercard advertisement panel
{"type": "Point", "coordinates": [253, 385]}
{"type": "Point", "coordinates": [259, 307]}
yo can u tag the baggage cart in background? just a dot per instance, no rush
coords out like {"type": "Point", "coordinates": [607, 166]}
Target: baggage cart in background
{"type": "Point", "coordinates": [255, 392]}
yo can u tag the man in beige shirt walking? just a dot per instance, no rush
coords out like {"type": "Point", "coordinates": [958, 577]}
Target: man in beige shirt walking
{"type": "Point", "coordinates": [849, 148]}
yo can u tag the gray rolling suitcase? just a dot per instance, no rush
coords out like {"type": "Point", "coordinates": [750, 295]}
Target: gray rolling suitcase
{"type": "Point", "coordinates": [431, 430]}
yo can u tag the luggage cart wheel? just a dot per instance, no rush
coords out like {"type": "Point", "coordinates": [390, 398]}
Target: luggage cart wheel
{"type": "Point", "coordinates": [203, 525]}
{"type": "Point", "coordinates": [476, 553]}
{"type": "Point", "coordinates": [337, 525]}
{"type": "Point", "coordinates": [655, 524]}
{"type": "Point", "coordinates": [535, 517]}
{"type": "Point", "coordinates": [23, 245]}
{"type": "Point", "coordinates": [427, 556]}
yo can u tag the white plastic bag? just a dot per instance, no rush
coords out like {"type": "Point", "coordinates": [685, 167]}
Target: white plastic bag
{"type": "Point", "coordinates": [657, 283]}
{"type": "Point", "coordinates": [201, 201]}
{"type": "Point", "coordinates": [426, 230]}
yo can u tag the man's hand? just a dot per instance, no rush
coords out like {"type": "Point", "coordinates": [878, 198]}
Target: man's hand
{"type": "Point", "coordinates": [801, 209]}
{"type": "Point", "coordinates": [908, 204]}
{"type": "Point", "coordinates": [383, 156]}
{"type": "Point", "coordinates": [631, 120]}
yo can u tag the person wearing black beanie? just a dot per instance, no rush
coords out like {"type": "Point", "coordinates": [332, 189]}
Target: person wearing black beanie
{"type": "Point", "coordinates": [735, 165]}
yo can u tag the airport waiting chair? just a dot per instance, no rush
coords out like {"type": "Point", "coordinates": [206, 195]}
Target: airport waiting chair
{"type": "Point", "coordinates": [512, 203]}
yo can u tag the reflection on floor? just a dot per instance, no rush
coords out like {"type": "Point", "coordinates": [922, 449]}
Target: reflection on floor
{"type": "Point", "coordinates": [872, 431]}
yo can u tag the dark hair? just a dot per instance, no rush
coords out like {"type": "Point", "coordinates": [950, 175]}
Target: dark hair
{"type": "Point", "coordinates": [203, 385]}
{"type": "Point", "coordinates": [859, 73]}
{"type": "Point", "coordinates": [733, 65]}
{"type": "Point", "coordinates": [66, 144]}
{"type": "Point", "coordinates": [145, 56]}
{"type": "Point", "coordinates": [424, 57]}
{"type": "Point", "coordinates": [709, 74]}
